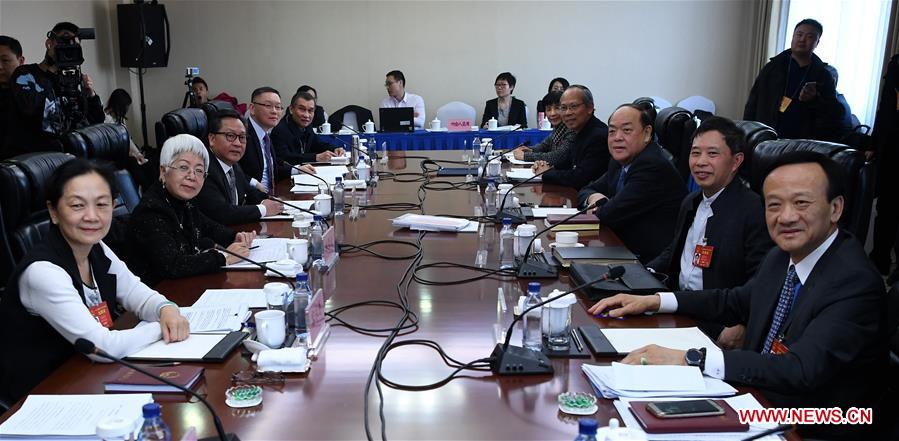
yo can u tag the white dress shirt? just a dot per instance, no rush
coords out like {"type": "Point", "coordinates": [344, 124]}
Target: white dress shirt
{"type": "Point", "coordinates": [690, 278]}
{"type": "Point", "coordinates": [228, 168]}
{"type": "Point", "coordinates": [46, 290]}
{"type": "Point", "coordinates": [412, 100]}
{"type": "Point", "coordinates": [714, 362]}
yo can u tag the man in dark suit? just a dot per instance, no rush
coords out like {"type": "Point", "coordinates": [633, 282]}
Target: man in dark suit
{"type": "Point", "coordinates": [227, 196]}
{"type": "Point", "coordinates": [588, 157]}
{"type": "Point", "coordinates": [814, 312]}
{"type": "Point", "coordinates": [260, 162]}
{"type": "Point", "coordinates": [720, 235]}
{"type": "Point", "coordinates": [643, 187]}
{"type": "Point", "coordinates": [293, 138]}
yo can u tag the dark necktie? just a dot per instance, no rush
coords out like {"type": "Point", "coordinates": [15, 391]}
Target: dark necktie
{"type": "Point", "coordinates": [232, 185]}
{"type": "Point", "coordinates": [268, 179]}
{"type": "Point", "coordinates": [620, 185]}
{"type": "Point", "coordinates": [784, 305]}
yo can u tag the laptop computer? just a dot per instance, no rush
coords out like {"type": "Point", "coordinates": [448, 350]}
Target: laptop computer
{"type": "Point", "coordinates": [397, 119]}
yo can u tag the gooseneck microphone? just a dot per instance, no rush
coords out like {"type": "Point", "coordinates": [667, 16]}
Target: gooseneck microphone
{"type": "Point", "coordinates": [371, 149]}
{"type": "Point", "coordinates": [87, 347]}
{"type": "Point", "coordinates": [300, 169]}
{"type": "Point", "coordinates": [543, 270]}
{"type": "Point", "coordinates": [208, 244]}
{"type": "Point", "coordinates": [297, 207]}
{"type": "Point", "coordinates": [487, 160]}
{"type": "Point", "coordinates": [514, 360]}
{"type": "Point", "coordinates": [520, 217]}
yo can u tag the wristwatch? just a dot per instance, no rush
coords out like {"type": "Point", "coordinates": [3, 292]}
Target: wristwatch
{"type": "Point", "coordinates": [695, 357]}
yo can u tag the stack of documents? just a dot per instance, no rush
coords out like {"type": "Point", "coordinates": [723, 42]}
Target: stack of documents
{"type": "Point", "coordinates": [511, 158]}
{"type": "Point", "coordinates": [71, 416]}
{"type": "Point", "coordinates": [541, 212]}
{"type": "Point", "coordinates": [216, 319]}
{"type": "Point", "coordinates": [263, 251]}
{"type": "Point", "coordinates": [520, 174]}
{"type": "Point", "coordinates": [637, 381]}
{"type": "Point", "coordinates": [253, 298]}
{"type": "Point", "coordinates": [304, 183]}
{"type": "Point", "coordinates": [422, 222]}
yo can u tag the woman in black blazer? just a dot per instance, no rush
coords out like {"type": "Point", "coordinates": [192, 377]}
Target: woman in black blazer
{"type": "Point", "coordinates": [507, 109]}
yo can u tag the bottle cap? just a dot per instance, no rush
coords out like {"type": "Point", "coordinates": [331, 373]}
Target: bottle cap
{"type": "Point", "coordinates": [587, 426]}
{"type": "Point", "coordinates": [533, 286]}
{"type": "Point", "coordinates": [491, 180]}
{"type": "Point", "coordinates": [338, 179]}
{"type": "Point", "coordinates": [302, 277]}
{"type": "Point", "coordinates": [507, 221]}
{"type": "Point", "coordinates": [151, 410]}
{"type": "Point", "coordinates": [319, 218]}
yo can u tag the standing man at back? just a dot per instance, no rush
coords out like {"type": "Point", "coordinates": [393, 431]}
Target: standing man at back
{"type": "Point", "coordinates": [10, 58]}
{"type": "Point", "coordinates": [398, 97]}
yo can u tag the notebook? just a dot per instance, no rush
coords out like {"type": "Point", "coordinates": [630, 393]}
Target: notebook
{"type": "Point", "coordinates": [729, 422]}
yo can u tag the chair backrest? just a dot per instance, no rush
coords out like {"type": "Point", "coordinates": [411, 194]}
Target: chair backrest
{"type": "Point", "coordinates": [697, 102]}
{"type": "Point", "coordinates": [859, 179]}
{"type": "Point", "coordinates": [189, 120]}
{"type": "Point", "coordinates": [660, 103]}
{"type": "Point", "coordinates": [212, 107]}
{"type": "Point", "coordinates": [456, 110]}
{"type": "Point", "coordinates": [756, 133]}
{"type": "Point", "coordinates": [674, 126]}
{"type": "Point", "coordinates": [108, 142]}
{"type": "Point", "coordinates": [363, 115]}
{"type": "Point", "coordinates": [127, 190]}
{"type": "Point", "coordinates": [349, 120]}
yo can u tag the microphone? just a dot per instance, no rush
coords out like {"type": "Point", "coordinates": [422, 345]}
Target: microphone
{"type": "Point", "coordinates": [299, 169]}
{"type": "Point", "coordinates": [295, 206]}
{"type": "Point", "coordinates": [543, 270]}
{"type": "Point", "coordinates": [487, 161]}
{"type": "Point", "coordinates": [87, 347]}
{"type": "Point", "coordinates": [371, 149]}
{"type": "Point", "coordinates": [520, 217]}
{"type": "Point", "coordinates": [207, 244]}
{"type": "Point", "coordinates": [514, 360]}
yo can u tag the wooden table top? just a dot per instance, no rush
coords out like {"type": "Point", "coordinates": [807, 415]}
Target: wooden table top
{"type": "Point", "coordinates": [328, 402]}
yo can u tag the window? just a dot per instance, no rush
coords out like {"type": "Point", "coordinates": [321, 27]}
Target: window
{"type": "Point", "coordinates": [853, 42]}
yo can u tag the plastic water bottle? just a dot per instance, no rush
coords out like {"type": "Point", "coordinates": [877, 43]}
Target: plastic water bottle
{"type": "Point", "coordinates": [506, 245]}
{"type": "Point", "coordinates": [533, 333]}
{"type": "Point", "coordinates": [490, 198]}
{"type": "Point", "coordinates": [482, 162]}
{"type": "Point", "coordinates": [339, 191]}
{"type": "Point", "coordinates": [154, 429]}
{"type": "Point", "coordinates": [301, 295]}
{"type": "Point", "coordinates": [586, 429]}
{"type": "Point", "coordinates": [316, 242]}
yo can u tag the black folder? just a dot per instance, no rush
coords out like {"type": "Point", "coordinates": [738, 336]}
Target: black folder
{"type": "Point", "coordinates": [218, 353]}
{"type": "Point", "coordinates": [636, 280]}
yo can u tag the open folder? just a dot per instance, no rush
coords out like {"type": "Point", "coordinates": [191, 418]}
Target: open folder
{"type": "Point", "coordinates": [197, 347]}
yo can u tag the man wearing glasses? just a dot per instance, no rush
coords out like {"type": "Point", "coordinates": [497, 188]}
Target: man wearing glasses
{"type": "Point", "coordinates": [260, 161]}
{"type": "Point", "coordinates": [227, 196]}
{"type": "Point", "coordinates": [294, 140]}
{"type": "Point", "coordinates": [588, 156]}
{"type": "Point", "coordinates": [398, 97]}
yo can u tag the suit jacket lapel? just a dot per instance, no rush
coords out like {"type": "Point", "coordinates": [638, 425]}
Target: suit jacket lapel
{"type": "Point", "coordinates": [806, 292]}
{"type": "Point", "coordinates": [767, 296]}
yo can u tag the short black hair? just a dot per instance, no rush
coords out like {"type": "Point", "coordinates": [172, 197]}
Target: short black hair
{"type": "Point", "coordinates": [646, 118]}
{"type": "Point", "coordinates": [307, 88]}
{"type": "Point", "coordinates": [836, 176]}
{"type": "Point", "coordinates": [811, 22]}
{"type": "Point", "coordinates": [508, 77]}
{"type": "Point", "coordinates": [648, 106]}
{"type": "Point", "coordinates": [117, 105]}
{"type": "Point", "coordinates": [12, 44]}
{"type": "Point", "coordinates": [397, 76]}
{"type": "Point", "coordinates": [734, 137]}
{"type": "Point", "coordinates": [304, 95]}
{"type": "Point", "coordinates": [73, 169]}
{"type": "Point", "coordinates": [65, 26]}
{"type": "Point", "coordinates": [215, 120]}
{"type": "Point", "coordinates": [564, 82]}
{"type": "Point", "coordinates": [552, 99]}
{"type": "Point", "coordinates": [200, 80]}
{"type": "Point", "coordinates": [264, 89]}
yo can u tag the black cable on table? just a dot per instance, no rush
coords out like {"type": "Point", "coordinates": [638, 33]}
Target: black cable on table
{"type": "Point", "coordinates": [346, 248]}
{"type": "Point", "coordinates": [485, 273]}
{"type": "Point", "coordinates": [481, 365]}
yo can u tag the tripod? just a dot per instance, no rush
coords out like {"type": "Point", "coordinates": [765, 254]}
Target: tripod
{"type": "Point", "coordinates": [190, 98]}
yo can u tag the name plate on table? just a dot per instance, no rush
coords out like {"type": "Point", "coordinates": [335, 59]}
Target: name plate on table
{"type": "Point", "coordinates": [329, 251]}
{"type": "Point", "coordinates": [458, 125]}
{"type": "Point", "coordinates": [315, 319]}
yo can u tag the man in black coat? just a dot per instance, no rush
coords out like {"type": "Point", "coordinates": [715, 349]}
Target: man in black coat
{"type": "Point", "coordinates": [815, 312]}
{"type": "Point", "coordinates": [588, 157]}
{"type": "Point", "coordinates": [293, 138]}
{"type": "Point", "coordinates": [227, 196]}
{"type": "Point", "coordinates": [794, 93]}
{"type": "Point", "coordinates": [720, 236]}
{"type": "Point", "coordinates": [260, 162]}
{"type": "Point", "coordinates": [643, 187]}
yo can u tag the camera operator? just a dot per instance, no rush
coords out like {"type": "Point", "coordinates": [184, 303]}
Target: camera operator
{"type": "Point", "coordinates": [10, 58]}
{"type": "Point", "coordinates": [52, 97]}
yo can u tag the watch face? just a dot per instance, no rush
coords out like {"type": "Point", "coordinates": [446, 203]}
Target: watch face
{"type": "Point", "coordinates": [693, 357]}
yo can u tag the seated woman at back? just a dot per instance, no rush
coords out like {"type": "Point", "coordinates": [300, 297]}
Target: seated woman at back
{"type": "Point", "coordinates": [553, 147]}
{"type": "Point", "coordinates": [557, 84]}
{"type": "Point", "coordinates": [116, 111]}
{"type": "Point", "coordinates": [72, 286]}
{"type": "Point", "coordinates": [507, 109]}
{"type": "Point", "coordinates": [169, 230]}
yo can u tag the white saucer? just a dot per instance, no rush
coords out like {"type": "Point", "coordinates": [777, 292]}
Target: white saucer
{"type": "Point", "coordinates": [442, 129]}
{"type": "Point", "coordinates": [577, 245]}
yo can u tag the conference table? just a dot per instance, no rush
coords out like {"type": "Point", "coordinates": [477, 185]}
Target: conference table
{"type": "Point", "coordinates": [444, 140]}
{"type": "Point", "coordinates": [328, 402]}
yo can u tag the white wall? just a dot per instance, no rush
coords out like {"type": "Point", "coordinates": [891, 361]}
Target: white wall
{"type": "Point", "coordinates": [447, 50]}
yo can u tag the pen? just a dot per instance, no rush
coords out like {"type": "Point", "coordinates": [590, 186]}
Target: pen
{"type": "Point", "coordinates": [254, 247]}
{"type": "Point", "coordinates": [169, 364]}
{"type": "Point", "coordinates": [577, 340]}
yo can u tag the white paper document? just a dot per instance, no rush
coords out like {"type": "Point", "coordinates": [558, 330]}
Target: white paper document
{"type": "Point", "coordinates": [253, 298]}
{"type": "Point", "coordinates": [540, 212]}
{"type": "Point", "coordinates": [625, 340]}
{"type": "Point", "coordinates": [520, 174]}
{"type": "Point", "coordinates": [71, 416]}
{"type": "Point", "coordinates": [511, 158]}
{"type": "Point", "coordinates": [222, 318]}
{"type": "Point", "coordinates": [194, 348]}
{"type": "Point", "coordinates": [263, 251]}
{"type": "Point", "coordinates": [275, 217]}
{"type": "Point", "coordinates": [656, 377]}
{"type": "Point", "coordinates": [605, 382]}
{"type": "Point", "coordinates": [432, 223]}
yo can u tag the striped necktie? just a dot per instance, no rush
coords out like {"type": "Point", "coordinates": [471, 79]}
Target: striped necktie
{"type": "Point", "coordinates": [784, 305]}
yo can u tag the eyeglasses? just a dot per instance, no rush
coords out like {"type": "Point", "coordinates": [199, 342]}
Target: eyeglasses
{"type": "Point", "coordinates": [571, 107]}
{"type": "Point", "coordinates": [501, 85]}
{"type": "Point", "coordinates": [183, 169]}
{"type": "Point", "coordinates": [275, 107]}
{"type": "Point", "coordinates": [231, 136]}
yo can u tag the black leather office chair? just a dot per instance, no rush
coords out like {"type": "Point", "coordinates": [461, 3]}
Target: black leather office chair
{"type": "Point", "coordinates": [859, 176]}
{"type": "Point", "coordinates": [108, 142]}
{"type": "Point", "coordinates": [192, 121]}
{"type": "Point", "coordinates": [212, 107]}
{"type": "Point", "coordinates": [674, 127]}
{"type": "Point", "coordinates": [363, 115]}
{"type": "Point", "coordinates": [756, 133]}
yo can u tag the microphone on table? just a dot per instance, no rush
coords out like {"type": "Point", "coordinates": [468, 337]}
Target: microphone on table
{"type": "Point", "coordinates": [296, 207]}
{"type": "Point", "coordinates": [542, 270]}
{"type": "Point", "coordinates": [514, 360]}
{"type": "Point", "coordinates": [371, 149]}
{"type": "Point", "coordinates": [300, 169]}
{"type": "Point", "coordinates": [208, 244]}
{"type": "Point", "coordinates": [87, 347]}
{"type": "Point", "coordinates": [487, 161]}
{"type": "Point", "coordinates": [520, 217]}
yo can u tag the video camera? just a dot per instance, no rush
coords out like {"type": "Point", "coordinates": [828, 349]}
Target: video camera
{"type": "Point", "coordinates": [69, 58]}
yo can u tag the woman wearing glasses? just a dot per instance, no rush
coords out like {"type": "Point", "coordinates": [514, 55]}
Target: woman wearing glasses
{"type": "Point", "coordinates": [169, 229]}
{"type": "Point", "coordinates": [553, 148]}
{"type": "Point", "coordinates": [507, 109]}
{"type": "Point", "coordinates": [72, 286]}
